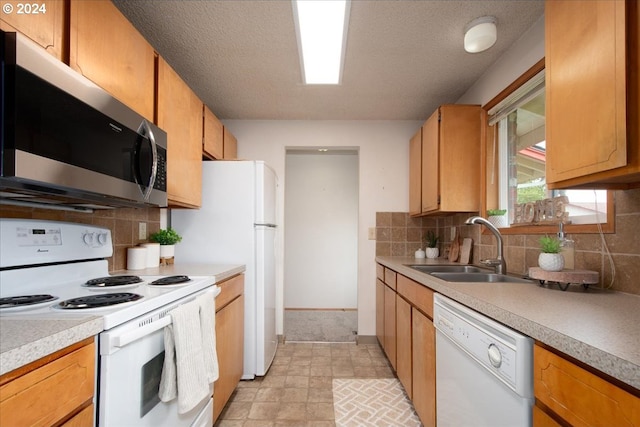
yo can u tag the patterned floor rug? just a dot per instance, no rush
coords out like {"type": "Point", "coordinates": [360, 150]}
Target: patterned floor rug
{"type": "Point", "coordinates": [372, 402]}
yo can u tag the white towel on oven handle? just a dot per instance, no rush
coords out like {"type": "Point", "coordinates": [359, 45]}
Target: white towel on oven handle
{"type": "Point", "coordinates": [208, 328]}
{"type": "Point", "coordinates": [187, 366]}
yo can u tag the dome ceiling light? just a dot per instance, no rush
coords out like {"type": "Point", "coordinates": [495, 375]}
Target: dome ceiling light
{"type": "Point", "coordinates": [480, 34]}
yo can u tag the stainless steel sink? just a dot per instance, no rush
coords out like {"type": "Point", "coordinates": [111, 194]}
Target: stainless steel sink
{"type": "Point", "coordinates": [449, 269]}
{"type": "Point", "coordinates": [478, 277]}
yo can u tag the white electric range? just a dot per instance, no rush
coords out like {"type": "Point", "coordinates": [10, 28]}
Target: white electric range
{"type": "Point", "coordinates": [58, 270]}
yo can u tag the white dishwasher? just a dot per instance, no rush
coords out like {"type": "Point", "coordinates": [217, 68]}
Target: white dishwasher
{"type": "Point", "coordinates": [484, 372]}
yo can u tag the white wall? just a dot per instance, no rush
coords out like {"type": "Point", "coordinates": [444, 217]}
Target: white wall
{"type": "Point", "coordinates": [384, 158]}
{"type": "Point", "coordinates": [383, 180]}
{"type": "Point", "coordinates": [321, 234]}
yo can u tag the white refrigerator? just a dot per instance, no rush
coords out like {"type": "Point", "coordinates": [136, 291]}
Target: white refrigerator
{"type": "Point", "coordinates": [237, 225]}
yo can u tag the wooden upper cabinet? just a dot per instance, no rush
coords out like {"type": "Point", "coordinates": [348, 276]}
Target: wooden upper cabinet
{"type": "Point", "coordinates": [592, 93]}
{"type": "Point", "coordinates": [45, 27]}
{"type": "Point", "coordinates": [430, 164]}
{"type": "Point", "coordinates": [415, 173]}
{"type": "Point", "coordinates": [230, 145]}
{"type": "Point", "coordinates": [108, 50]}
{"type": "Point", "coordinates": [218, 142]}
{"type": "Point", "coordinates": [179, 113]}
{"type": "Point", "coordinates": [213, 138]}
{"type": "Point", "coordinates": [450, 161]}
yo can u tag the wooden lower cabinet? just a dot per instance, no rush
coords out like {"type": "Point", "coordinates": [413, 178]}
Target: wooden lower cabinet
{"type": "Point", "coordinates": [229, 341]}
{"type": "Point", "coordinates": [390, 325]}
{"type": "Point", "coordinates": [404, 366]}
{"type": "Point", "coordinates": [579, 397]}
{"type": "Point", "coordinates": [424, 367]}
{"type": "Point", "coordinates": [414, 342]}
{"type": "Point", "coordinates": [55, 390]}
{"type": "Point", "coordinates": [380, 311]}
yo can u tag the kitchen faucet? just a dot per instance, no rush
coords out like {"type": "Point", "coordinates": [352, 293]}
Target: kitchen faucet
{"type": "Point", "coordinates": [499, 264]}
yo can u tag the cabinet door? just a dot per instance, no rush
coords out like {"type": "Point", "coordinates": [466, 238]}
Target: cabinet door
{"type": "Point", "coordinates": [579, 396]}
{"type": "Point", "coordinates": [109, 51]}
{"type": "Point", "coordinates": [229, 345]}
{"type": "Point", "coordinates": [213, 138]}
{"type": "Point", "coordinates": [180, 115]}
{"type": "Point", "coordinates": [424, 368]}
{"type": "Point", "coordinates": [390, 325]}
{"type": "Point", "coordinates": [430, 163]}
{"type": "Point", "coordinates": [415, 173]}
{"type": "Point", "coordinates": [403, 344]}
{"type": "Point", "coordinates": [230, 145]}
{"type": "Point", "coordinates": [380, 312]}
{"type": "Point", "coordinates": [45, 28]}
{"type": "Point", "coordinates": [50, 393]}
{"type": "Point", "coordinates": [585, 50]}
{"type": "Point", "coordinates": [459, 156]}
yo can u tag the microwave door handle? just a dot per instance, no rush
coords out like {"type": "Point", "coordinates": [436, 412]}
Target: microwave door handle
{"type": "Point", "coordinates": [145, 130]}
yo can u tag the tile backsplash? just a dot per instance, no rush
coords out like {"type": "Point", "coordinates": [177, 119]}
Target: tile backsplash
{"type": "Point", "coordinates": [123, 223]}
{"type": "Point", "coordinates": [398, 234]}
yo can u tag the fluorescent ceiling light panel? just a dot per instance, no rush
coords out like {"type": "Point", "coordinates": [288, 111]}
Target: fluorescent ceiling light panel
{"type": "Point", "coordinates": [321, 27]}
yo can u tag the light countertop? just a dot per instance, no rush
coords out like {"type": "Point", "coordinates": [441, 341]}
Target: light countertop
{"type": "Point", "coordinates": [24, 339]}
{"type": "Point", "coordinates": [598, 327]}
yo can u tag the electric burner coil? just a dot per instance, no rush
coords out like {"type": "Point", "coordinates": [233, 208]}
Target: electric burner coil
{"type": "Point", "coordinates": [171, 280]}
{"type": "Point", "coordinates": [96, 301]}
{"type": "Point", "coordinates": [25, 300]}
{"type": "Point", "coordinates": [114, 281]}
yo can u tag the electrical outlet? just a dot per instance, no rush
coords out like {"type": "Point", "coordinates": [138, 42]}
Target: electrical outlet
{"type": "Point", "coordinates": [142, 231]}
{"type": "Point", "coordinates": [372, 233]}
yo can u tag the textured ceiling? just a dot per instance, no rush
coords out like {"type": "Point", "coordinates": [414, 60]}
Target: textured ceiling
{"type": "Point", "coordinates": [403, 58]}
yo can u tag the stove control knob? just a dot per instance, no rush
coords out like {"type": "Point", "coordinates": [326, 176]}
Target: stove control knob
{"type": "Point", "coordinates": [102, 238]}
{"type": "Point", "coordinates": [88, 238]}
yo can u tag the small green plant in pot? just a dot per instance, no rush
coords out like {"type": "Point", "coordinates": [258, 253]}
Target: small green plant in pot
{"type": "Point", "coordinates": [167, 239]}
{"type": "Point", "coordinates": [497, 217]}
{"type": "Point", "coordinates": [550, 259]}
{"type": "Point", "coordinates": [431, 240]}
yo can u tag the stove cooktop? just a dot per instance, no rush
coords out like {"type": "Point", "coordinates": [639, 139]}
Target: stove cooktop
{"type": "Point", "coordinates": [68, 283]}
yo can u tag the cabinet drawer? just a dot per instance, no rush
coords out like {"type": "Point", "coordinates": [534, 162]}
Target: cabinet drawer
{"type": "Point", "coordinates": [580, 397]}
{"type": "Point", "coordinates": [230, 290]}
{"type": "Point", "coordinates": [390, 278]}
{"type": "Point", "coordinates": [418, 295]}
{"type": "Point", "coordinates": [48, 394]}
{"type": "Point", "coordinates": [380, 272]}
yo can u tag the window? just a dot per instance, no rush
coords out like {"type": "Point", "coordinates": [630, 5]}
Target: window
{"type": "Point", "coordinates": [515, 149]}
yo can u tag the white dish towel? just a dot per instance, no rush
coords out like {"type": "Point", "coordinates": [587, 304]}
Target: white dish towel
{"type": "Point", "coordinates": [190, 360]}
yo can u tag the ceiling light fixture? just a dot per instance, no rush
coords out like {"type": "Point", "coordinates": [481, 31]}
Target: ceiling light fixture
{"type": "Point", "coordinates": [321, 29]}
{"type": "Point", "coordinates": [480, 34]}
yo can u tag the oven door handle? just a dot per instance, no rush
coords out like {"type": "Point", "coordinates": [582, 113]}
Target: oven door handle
{"type": "Point", "coordinates": [129, 337]}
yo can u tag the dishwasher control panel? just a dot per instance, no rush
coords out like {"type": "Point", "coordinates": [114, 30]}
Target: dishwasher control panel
{"type": "Point", "coordinates": [497, 348]}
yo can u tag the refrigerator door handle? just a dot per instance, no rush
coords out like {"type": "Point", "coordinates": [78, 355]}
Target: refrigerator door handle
{"type": "Point", "coordinates": [265, 225]}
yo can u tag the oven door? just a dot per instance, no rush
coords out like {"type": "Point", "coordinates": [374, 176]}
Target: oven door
{"type": "Point", "coordinates": [131, 360]}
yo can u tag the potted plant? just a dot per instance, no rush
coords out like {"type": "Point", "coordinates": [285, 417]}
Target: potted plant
{"type": "Point", "coordinates": [431, 240]}
{"type": "Point", "coordinates": [497, 217]}
{"type": "Point", "coordinates": [550, 259]}
{"type": "Point", "coordinates": [167, 239]}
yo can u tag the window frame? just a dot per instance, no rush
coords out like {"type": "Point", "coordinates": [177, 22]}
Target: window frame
{"type": "Point", "coordinates": [490, 191]}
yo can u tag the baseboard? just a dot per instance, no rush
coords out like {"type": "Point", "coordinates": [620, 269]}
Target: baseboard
{"type": "Point", "coordinates": [320, 309]}
{"type": "Point", "coordinates": [366, 339]}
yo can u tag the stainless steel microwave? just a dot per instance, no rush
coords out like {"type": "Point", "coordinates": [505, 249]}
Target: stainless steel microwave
{"type": "Point", "coordinates": [67, 142]}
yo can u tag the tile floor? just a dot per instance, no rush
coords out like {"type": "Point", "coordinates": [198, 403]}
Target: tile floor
{"type": "Point", "coordinates": [297, 390]}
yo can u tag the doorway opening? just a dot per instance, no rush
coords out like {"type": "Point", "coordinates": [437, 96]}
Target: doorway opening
{"type": "Point", "coordinates": [321, 244]}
